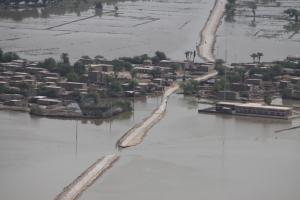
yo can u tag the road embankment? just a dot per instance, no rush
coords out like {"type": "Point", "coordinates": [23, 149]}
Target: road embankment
{"type": "Point", "coordinates": [136, 135]}
{"type": "Point", "coordinates": [208, 34]}
{"type": "Point", "coordinates": [82, 182]}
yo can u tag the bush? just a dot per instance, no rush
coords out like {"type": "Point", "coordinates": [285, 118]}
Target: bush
{"type": "Point", "coordinates": [9, 56]}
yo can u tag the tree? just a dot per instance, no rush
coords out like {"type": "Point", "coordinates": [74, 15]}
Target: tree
{"type": "Point", "coordinates": [161, 55]}
{"type": "Point", "coordinates": [115, 87]}
{"type": "Point", "coordinates": [155, 60]}
{"type": "Point", "coordinates": [9, 56]}
{"type": "Point", "coordinates": [267, 99]}
{"type": "Point", "coordinates": [99, 5]}
{"type": "Point", "coordinates": [65, 58]}
{"type": "Point", "coordinates": [49, 63]}
{"type": "Point", "coordinates": [132, 84]}
{"type": "Point", "coordinates": [253, 56]}
{"type": "Point", "coordinates": [253, 7]}
{"type": "Point", "coordinates": [156, 72]}
{"type": "Point", "coordinates": [79, 68]}
{"type": "Point", "coordinates": [189, 87]}
{"type": "Point", "coordinates": [230, 10]}
{"type": "Point", "coordinates": [1, 55]}
{"type": "Point", "coordinates": [63, 69]}
{"type": "Point", "coordinates": [72, 77]}
{"type": "Point", "coordinates": [293, 13]}
{"type": "Point", "coordinates": [259, 55]}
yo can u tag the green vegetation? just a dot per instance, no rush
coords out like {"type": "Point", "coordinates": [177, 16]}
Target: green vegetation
{"type": "Point", "coordinates": [48, 92]}
{"type": "Point", "coordinates": [189, 87]}
{"type": "Point", "coordinates": [268, 74]}
{"type": "Point", "coordinates": [267, 99]}
{"type": "Point", "coordinates": [8, 56]}
{"type": "Point", "coordinates": [258, 55]}
{"type": "Point", "coordinates": [293, 13]}
{"type": "Point", "coordinates": [230, 10]}
{"type": "Point", "coordinates": [159, 55]}
{"type": "Point", "coordinates": [253, 7]}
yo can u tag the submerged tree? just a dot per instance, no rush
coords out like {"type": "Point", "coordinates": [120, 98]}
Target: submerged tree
{"type": "Point", "coordinates": [253, 7]}
{"type": "Point", "coordinates": [230, 10]}
{"type": "Point", "coordinates": [293, 13]}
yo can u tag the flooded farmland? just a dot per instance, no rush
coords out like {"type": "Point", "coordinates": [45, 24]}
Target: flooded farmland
{"type": "Point", "coordinates": [186, 155]}
{"type": "Point", "coordinates": [271, 32]}
{"type": "Point", "coordinates": [139, 27]}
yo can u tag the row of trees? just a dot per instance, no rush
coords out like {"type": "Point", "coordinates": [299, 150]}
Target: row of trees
{"type": "Point", "coordinates": [257, 55]}
{"type": "Point", "coordinates": [64, 68]}
{"type": "Point", "coordinates": [8, 56]}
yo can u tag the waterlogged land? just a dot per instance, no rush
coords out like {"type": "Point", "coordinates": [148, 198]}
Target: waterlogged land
{"type": "Point", "coordinates": [271, 32]}
{"type": "Point", "coordinates": [49, 153]}
{"type": "Point", "coordinates": [199, 156]}
{"type": "Point", "coordinates": [140, 26]}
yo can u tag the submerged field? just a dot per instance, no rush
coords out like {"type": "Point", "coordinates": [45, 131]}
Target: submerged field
{"type": "Point", "coordinates": [139, 27]}
{"type": "Point", "coordinates": [271, 32]}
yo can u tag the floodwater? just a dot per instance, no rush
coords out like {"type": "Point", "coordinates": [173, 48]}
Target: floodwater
{"type": "Point", "coordinates": [140, 27]}
{"type": "Point", "coordinates": [271, 33]}
{"type": "Point", "coordinates": [40, 156]}
{"type": "Point", "coordinates": [199, 156]}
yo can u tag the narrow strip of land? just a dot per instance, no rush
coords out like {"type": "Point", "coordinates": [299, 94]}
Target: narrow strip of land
{"type": "Point", "coordinates": [135, 135]}
{"type": "Point", "coordinates": [74, 190]}
{"type": "Point", "coordinates": [77, 20]}
{"type": "Point", "coordinates": [208, 33]}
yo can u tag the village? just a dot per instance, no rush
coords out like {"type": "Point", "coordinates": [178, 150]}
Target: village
{"type": "Point", "coordinates": [249, 88]}
{"type": "Point", "coordinates": [91, 88]}
{"type": "Point", "coordinates": [99, 88]}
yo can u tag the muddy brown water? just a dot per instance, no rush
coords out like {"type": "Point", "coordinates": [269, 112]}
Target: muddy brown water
{"type": "Point", "coordinates": [198, 156]}
{"type": "Point", "coordinates": [236, 41]}
{"type": "Point", "coordinates": [40, 156]}
{"type": "Point", "coordinates": [140, 27]}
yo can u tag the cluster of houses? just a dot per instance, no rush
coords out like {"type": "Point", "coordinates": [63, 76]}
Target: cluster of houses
{"type": "Point", "coordinates": [23, 83]}
{"type": "Point", "coordinates": [253, 87]}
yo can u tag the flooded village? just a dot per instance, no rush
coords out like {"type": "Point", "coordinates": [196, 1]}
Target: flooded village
{"type": "Point", "coordinates": [149, 99]}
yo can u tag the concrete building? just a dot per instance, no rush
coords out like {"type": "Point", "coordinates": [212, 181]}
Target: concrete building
{"type": "Point", "coordinates": [228, 95]}
{"type": "Point", "coordinates": [100, 67]}
{"type": "Point", "coordinates": [254, 81]}
{"type": "Point", "coordinates": [48, 102]}
{"type": "Point", "coordinates": [71, 86]}
{"type": "Point", "coordinates": [254, 109]}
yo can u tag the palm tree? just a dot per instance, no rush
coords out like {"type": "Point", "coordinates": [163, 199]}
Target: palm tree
{"type": "Point", "coordinates": [259, 55]}
{"type": "Point", "coordinates": [65, 58]}
{"type": "Point", "coordinates": [253, 56]}
{"type": "Point", "coordinates": [253, 6]}
{"type": "Point", "coordinates": [293, 13]}
{"type": "Point", "coordinates": [186, 55]}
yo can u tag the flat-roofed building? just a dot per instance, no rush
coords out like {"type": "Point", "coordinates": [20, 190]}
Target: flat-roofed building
{"type": "Point", "coordinates": [48, 102]}
{"type": "Point", "coordinates": [101, 67]}
{"type": "Point", "coordinates": [255, 109]}
{"type": "Point", "coordinates": [71, 86]}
